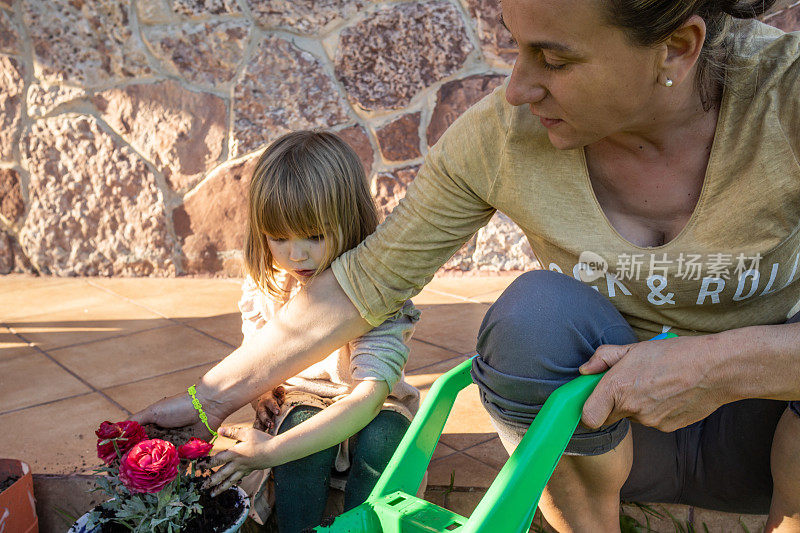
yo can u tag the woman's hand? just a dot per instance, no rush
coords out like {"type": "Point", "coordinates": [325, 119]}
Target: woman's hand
{"type": "Point", "coordinates": [178, 411]}
{"type": "Point", "coordinates": [267, 407]}
{"type": "Point", "coordinates": [244, 457]}
{"type": "Point", "coordinates": [666, 384]}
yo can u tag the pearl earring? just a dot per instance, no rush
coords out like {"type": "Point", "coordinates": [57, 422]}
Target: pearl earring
{"type": "Point", "coordinates": [668, 83]}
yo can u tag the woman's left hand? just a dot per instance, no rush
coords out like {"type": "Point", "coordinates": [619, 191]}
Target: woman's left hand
{"type": "Point", "coordinates": [244, 457]}
{"type": "Point", "coordinates": [666, 384]}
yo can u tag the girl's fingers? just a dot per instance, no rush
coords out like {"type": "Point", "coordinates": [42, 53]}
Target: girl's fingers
{"type": "Point", "coordinates": [220, 459]}
{"type": "Point", "coordinates": [272, 406]}
{"type": "Point", "coordinates": [262, 415]}
{"type": "Point", "coordinates": [235, 433]}
{"type": "Point", "coordinates": [228, 483]}
{"type": "Point", "coordinates": [280, 393]}
{"type": "Point", "coordinates": [220, 475]}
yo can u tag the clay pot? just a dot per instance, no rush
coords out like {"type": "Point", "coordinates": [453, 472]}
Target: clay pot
{"type": "Point", "coordinates": [17, 505]}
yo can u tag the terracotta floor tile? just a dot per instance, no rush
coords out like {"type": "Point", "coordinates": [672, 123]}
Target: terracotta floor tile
{"type": "Point", "coordinates": [489, 297]}
{"type": "Point", "coordinates": [492, 453]}
{"type": "Point", "coordinates": [139, 394]}
{"type": "Point", "coordinates": [429, 297]}
{"type": "Point", "coordinates": [453, 326]}
{"type": "Point", "coordinates": [57, 438]}
{"type": "Point", "coordinates": [463, 502]}
{"type": "Point", "coordinates": [33, 379]}
{"type": "Point", "coordinates": [442, 450]}
{"type": "Point", "coordinates": [47, 297]}
{"type": "Point", "coordinates": [469, 472]}
{"type": "Point", "coordinates": [469, 423]}
{"type": "Point", "coordinates": [22, 282]}
{"type": "Point", "coordinates": [422, 354]}
{"type": "Point", "coordinates": [140, 355]}
{"type": "Point", "coordinates": [471, 286]}
{"type": "Point", "coordinates": [435, 496]}
{"type": "Point", "coordinates": [179, 298]}
{"type": "Point", "coordinates": [423, 378]}
{"type": "Point", "coordinates": [226, 327]}
{"type": "Point", "coordinates": [11, 346]}
{"type": "Point", "coordinates": [102, 318]}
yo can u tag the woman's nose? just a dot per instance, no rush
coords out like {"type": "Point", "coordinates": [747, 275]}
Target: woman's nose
{"type": "Point", "coordinates": [524, 87]}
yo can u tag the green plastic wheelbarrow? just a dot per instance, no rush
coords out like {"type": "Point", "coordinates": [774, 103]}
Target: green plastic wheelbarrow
{"type": "Point", "coordinates": [510, 502]}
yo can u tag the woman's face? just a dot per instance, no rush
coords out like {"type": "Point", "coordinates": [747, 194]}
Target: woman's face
{"type": "Point", "coordinates": [578, 74]}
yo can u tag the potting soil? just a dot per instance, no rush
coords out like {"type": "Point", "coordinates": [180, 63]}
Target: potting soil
{"type": "Point", "coordinates": [7, 482]}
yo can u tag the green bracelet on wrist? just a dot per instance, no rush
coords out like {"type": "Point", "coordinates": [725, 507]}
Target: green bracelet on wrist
{"type": "Point", "coordinates": [197, 405]}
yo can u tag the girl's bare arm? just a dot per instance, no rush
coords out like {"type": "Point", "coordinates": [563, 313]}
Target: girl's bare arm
{"type": "Point", "coordinates": [257, 450]}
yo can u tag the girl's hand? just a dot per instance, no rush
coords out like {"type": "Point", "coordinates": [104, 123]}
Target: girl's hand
{"type": "Point", "coordinates": [244, 457]}
{"type": "Point", "coordinates": [666, 384]}
{"type": "Point", "coordinates": [268, 406]}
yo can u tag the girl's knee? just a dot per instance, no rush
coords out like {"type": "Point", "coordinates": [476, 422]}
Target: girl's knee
{"type": "Point", "coordinates": [297, 416]}
{"type": "Point", "coordinates": [378, 441]}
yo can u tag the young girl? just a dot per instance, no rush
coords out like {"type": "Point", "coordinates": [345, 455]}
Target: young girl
{"type": "Point", "coordinates": [308, 203]}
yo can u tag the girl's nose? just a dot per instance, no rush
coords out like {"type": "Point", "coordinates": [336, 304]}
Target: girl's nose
{"type": "Point", "coordinates": [297, 252]}
{"type": "Point", "coordinates": [524, 87]}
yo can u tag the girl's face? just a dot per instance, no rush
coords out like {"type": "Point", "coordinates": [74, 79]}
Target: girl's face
{"type": "Point", "coordinates": [580, 76]}
{"type": "Point", "coordinates": [300, 257]}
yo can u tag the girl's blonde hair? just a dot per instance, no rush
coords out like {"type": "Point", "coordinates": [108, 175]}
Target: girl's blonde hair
{"type": "Point", "coordinates": [306, 183]}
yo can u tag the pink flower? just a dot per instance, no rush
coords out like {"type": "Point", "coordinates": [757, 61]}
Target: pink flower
{"type": "Point", "coordinates": [126, 433]}
{"type": "Point", "coordinates": [194, 449]}
{"type": "Point", "coordinates": [149, 466]}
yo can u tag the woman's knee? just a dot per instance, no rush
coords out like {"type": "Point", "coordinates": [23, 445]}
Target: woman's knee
{"type": "Point", "coordinates": [532, 341]}
{"type": "Point", "coordinates": [546, 324]}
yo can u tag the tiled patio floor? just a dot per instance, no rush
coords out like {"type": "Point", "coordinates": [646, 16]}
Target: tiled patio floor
{"type": "Point", "coordinates": [75, 352]}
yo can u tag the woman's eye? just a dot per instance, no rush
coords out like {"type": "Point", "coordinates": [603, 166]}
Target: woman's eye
{"type": "Point", "coordinates": [552, 66]}
{"type": "Point", "coordinates": [316, 237]}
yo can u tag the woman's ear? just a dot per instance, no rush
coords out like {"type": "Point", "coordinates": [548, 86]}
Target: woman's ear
{"type": "Point", "coordinates": [682, 48]}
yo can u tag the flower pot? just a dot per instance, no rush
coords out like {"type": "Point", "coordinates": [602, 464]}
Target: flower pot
{"type": "Point", "coordinates": [244, 502]}
{"type": "Point", "coordinates": [17, 506]}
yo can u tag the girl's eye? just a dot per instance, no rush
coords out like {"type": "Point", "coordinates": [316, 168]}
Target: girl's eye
{"type": "Point", "coordinates": [316, 237]}
{"type": "Point", "coordinates": [276, 239]}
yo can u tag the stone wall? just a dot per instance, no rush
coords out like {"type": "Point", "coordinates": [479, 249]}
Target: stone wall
{"type": "Point", "coordinates": [129, 129]}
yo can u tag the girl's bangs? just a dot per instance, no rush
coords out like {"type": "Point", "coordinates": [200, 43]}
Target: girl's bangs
{"type": "Point", "coordinates": [291, 213]}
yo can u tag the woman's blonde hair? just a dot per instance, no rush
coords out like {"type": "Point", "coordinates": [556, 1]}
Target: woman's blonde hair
{"type": "Point", "coordinates": [306, 183]}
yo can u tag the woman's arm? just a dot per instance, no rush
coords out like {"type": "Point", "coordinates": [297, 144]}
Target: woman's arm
{"type": "Point", "coordinates": [445, 204]}
{"type": "Point", "coordinates": [257, 450]}
{"type": "Point", "coordinates": [317, 321]}
{"type": "Point", "coordinates": [672, 383]}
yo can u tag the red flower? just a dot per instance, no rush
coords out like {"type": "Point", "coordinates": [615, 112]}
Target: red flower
{"type": "Point", "coordinates": [194, 449]}
{"type": "Point", "coordinates": [126, 433]}
{"type": "Point", "coordinates": [149, 466]}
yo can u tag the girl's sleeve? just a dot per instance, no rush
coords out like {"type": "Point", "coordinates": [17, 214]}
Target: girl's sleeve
{"type": "Point", "coordinates": [382, 353]}
{"type": "Point", "coordinates": [444, 206]}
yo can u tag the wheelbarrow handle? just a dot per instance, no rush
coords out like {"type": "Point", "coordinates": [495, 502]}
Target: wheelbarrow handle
{"type": "Point", "coordinates": [510, 502]}
{"type": "Point", "coordinates": [410, 461]}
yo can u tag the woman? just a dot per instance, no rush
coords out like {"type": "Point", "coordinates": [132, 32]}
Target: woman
{"type": "Point", "coordinates": [661, 142]}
